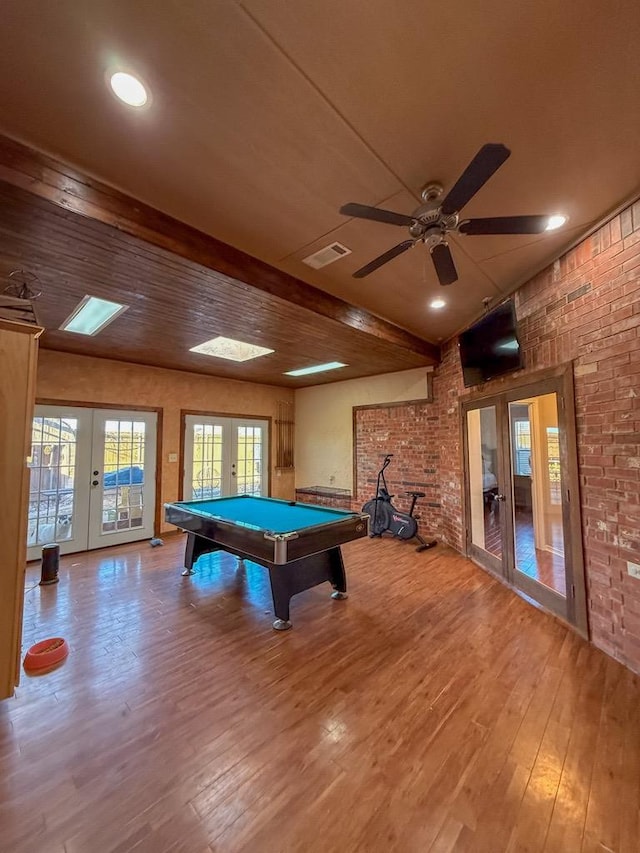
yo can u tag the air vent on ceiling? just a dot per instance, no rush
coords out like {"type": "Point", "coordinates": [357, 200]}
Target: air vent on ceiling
{"type": "Point", "coordinates": [326, 256]}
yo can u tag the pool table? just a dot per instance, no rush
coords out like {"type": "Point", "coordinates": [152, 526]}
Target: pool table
{"type": "Point", "coordinates": [298, 543]}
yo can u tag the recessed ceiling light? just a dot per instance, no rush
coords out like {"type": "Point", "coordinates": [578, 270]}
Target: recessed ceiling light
{"type": "Point", "coordinates": [91, 315]}
{"type": "Point", "coordinates": [232, 350]}
{"type": "Point", "coordinates": [129, 89]}
{"type": "Point", "coordinates": [556, 221]}
{"type": "Point", "coordinates": [437, 303]}
{"type": "Point", "coordinates": [317, 368]}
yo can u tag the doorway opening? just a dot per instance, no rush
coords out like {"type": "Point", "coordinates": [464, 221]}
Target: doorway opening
{"type": "Point", "coordinates": [92, 478]}
{"type": "Point", "coordinates": [521, 491]}
{"type": "Point", "coordinates": [224, 456]}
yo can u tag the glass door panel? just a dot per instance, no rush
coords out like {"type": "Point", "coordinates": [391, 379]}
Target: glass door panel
{"type": "Point", "coordinates": [539, 558]}
{"type": "Point", "coordinates": [248, 467]}
{"type": "Point", "coordinates": [122, 475]}
{"type": "Point", "coordinates": [484, 495]}
{"type": "Point", "coordinates": [206, 455]}
{"type": "Point", "coordinates": [206, 460]}
{"type": "Point", "coordinates": [58, 489]}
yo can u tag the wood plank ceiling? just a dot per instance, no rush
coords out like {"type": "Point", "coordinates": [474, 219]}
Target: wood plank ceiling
{"type": "Point", "coordinates": [175, 302]}
{"type": "Point", "coordinates": [263, 121]}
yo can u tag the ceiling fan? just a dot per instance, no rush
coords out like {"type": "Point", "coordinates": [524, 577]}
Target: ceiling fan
{"type": "Point", "coordinates": [431, 222]}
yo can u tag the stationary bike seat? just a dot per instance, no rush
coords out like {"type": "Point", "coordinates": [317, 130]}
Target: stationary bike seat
{"type": "Point", "coordinates": [416, 494]}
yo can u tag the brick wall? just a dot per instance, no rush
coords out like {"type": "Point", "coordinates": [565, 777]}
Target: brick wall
{"type": "Point", "coordinates": [592, 315]}
{"type": "Point", "coordinates": [584, 308]}
{"type": "Point", "coordinates": [447, 387]}
{"type": "Point", "coordinates": [340, 499]}
{"type": "Point", "coordinates": [411, 433]}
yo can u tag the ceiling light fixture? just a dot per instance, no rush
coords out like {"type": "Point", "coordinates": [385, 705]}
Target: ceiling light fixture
{"type": "Point", "coordinates": [317, 368]}
{"type": "Point", "coordinates": [129, 89]}
{"type": "Point", "coordinates": [91, 315]}
{"type": "Point", "coordinates": [556, 221]}
{"type": "Point", "coordinates": [230, 349]}
{"type": "Point", "coordinates": [437, 303]}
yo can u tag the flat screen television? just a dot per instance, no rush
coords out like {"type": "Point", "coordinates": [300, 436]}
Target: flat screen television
{"type": "Point", "coordinates": [491, 347]}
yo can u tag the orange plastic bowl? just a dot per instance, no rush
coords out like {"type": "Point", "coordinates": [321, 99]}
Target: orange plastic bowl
{"type": "Point", "coordinates": [45, 654]}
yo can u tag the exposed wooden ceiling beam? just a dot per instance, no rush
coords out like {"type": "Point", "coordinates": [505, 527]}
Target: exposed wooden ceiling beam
{"type": "Point", "coordinates": [63, 185]}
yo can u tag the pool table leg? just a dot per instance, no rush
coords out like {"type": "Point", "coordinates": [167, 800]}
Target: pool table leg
{"type": "Point", "coordinates": [287, 580]}
{"type": "Point", "coordinates": [196, 545]}
{"type": "Point", "coordinates": [281, 595]}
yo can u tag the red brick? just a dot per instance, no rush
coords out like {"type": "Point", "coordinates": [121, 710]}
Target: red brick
{"type": "Point", "coordinates": [600, 327]}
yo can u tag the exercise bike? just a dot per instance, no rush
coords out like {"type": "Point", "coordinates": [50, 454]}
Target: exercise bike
{"type": "Point", "coordinates": [385, 518]}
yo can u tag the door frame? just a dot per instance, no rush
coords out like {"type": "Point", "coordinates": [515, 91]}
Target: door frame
{"type": "Point", "coordinates": [227, 416]}
{"type": "Point", "coordinates": [490, 561]}
{"type": "Point", "coordinates": [157, 513]}
{"type": "Point", "coordinates": [558, 380]}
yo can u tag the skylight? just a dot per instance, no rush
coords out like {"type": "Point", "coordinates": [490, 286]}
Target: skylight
{"type": "Point", "coordinates": [91, 315]}
{"type": "Point", "coordinates": [316, 368]}
{"type": "Point", "coordinates": [228, 348]}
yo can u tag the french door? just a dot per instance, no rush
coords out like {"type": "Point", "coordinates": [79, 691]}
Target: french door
{"type": "Point", "coordinates": [522, 508]}
{"type": "Point", "coordinates": [92, 478]}
{"type": "Point", "coordinates": [225, 456]}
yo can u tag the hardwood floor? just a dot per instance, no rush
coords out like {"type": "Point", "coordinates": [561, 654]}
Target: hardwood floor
{"type": "Point", "coordinates": [434, 710]}
{"type": "Point", "coordinates": [545, 566]}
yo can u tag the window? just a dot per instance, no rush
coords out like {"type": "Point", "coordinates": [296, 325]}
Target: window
{"type": "Point", "coordinates": [553, 463]}
{"type": "Point", "coordinates": [522, 447]}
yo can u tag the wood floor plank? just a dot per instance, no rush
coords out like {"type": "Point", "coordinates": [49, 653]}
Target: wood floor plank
{"type": "Point", "coordinates": [433, 710]}
{"type": "Point", "coordinates": [610, 799]}
{"type": "Point", "coordinates": [567, 823]}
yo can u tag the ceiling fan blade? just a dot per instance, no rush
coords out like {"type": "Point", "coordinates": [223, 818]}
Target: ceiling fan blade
{"type": "Point", "coordinates": [443, 262]}
{"type": "Point", "coordinates": [505, 225]}
{"type": "Point", "coordinates": [382, 259]}
{"type": "Point", "coordinates": [487, 161]}
{"type": "Point", "coordinates": [363, 211]}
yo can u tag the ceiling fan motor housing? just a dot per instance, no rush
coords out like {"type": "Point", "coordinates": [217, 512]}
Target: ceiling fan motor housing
{"type": "Point", "coordinates": [424, 218]}
{"type": "Point", "coordinates": [430, 225]}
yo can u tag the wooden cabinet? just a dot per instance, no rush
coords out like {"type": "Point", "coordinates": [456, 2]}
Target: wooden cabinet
{"type": "Point", "coordinates": [522, 492]}
{"type": "Point", "coordinates": [18, 362]}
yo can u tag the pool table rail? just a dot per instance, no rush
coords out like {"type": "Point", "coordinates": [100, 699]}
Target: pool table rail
{"type": "Point", "coordinates": [274, 547]}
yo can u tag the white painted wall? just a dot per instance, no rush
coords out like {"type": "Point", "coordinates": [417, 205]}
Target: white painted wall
{"type": "Point", "coordinates": [324, 422]}
{"type": "Point", "coordinates": [476, 421]}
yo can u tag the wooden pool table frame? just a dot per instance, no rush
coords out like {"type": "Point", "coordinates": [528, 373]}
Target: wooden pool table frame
{"type": "Point", "coordinates": [296, 561]}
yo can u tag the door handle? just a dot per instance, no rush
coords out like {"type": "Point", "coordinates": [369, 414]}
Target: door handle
{"type": "Point", "coordinates": [499, 498]}
{"type": "Point", "coordinates": [94, 482]}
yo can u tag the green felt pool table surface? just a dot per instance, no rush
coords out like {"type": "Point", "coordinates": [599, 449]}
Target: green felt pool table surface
{"type": "Point", "coordinates": [269, 514]}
